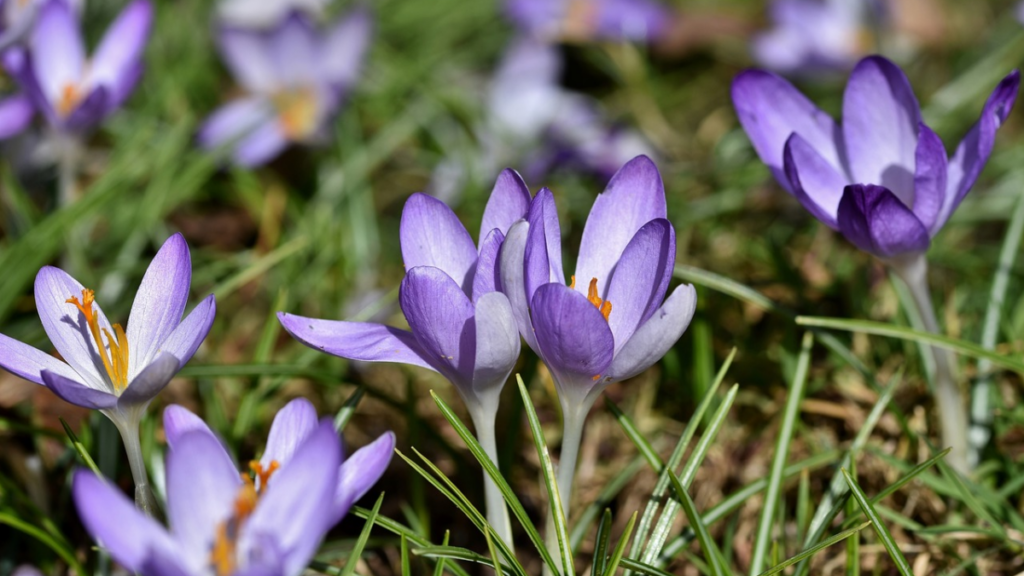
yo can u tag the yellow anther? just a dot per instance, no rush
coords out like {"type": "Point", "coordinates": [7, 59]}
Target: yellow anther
{"type": "Point", "coordinates": [603, 305]}
{"type": "Point", "coordinates": [296, 111]}
{"type": "Point", "coordinates": [70, 96]}
{"type": "Point", "coordinates": [115, 361]}
{"type": "Point", "coordinates": [223, 554]}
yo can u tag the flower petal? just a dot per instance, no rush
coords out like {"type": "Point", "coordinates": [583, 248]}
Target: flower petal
{"type": "Point", "coordinates": [656, 336]}
{"type": "Point", "coordinates": [88, 113]}
{"type": "Point", "coordinates": [247, 55]}
{"type": "Point", "coordinates": [814, 182]}
{"type": "Point", "coordinates": [640, 280]}
{"type": "Point", "coordinates": [509, 202]}
{"type": "Point", "coordinates": [119, 55]}
{"type": "Point", "coordinates": [344, 48]}
{"type": "Point", "coordinates": [150, 380]}
{"type": "Point", "coordinates": [159, 302]}
{"type": "Point", "coordinates": [637, 20]}
{"type": "Point", "coordinates": [16, 114]}
{"type": "Point", "coordinates": [634, 197]}
{"type": "Point", "coordinates": [179, 421]}
{"type": "Point", "coordinates": [186, 338]}
{"type": "Point", "coordinates": [361, 341]}
{"type": "Point", "coordinates": [543, 256]}
{"type": "Point", "coordinates": [930, 175]}
{"type": "Point", "coordinates": [293, 48]}
{"type": "Point", "coordinates": [770, 109]}
{"type": "Point", "coordinates": [77, 393]}
{"type": "Point", "coordinates": [360, 471]}
{"type": "Point", "coordinates": [233, 121]}
{"type": "Point", "coordinates": [113, 520]}
{"type": "Point", "coordinates": [513, 278]}
{"type": "Point", "coordinates": [876, 221]}
{"type": "Point", "coordinates": [440, 314]}
{"type": "Point", "coordinates": [880, 120]}
{"type": "Point", "coordinates": [292, 426]}
{"type": "Point", "coordinates": [497, 346]}
{"type": "Point", "coordinates": [29, 363]}
{"type": "Point", "coordinates": [432, 235]}
{"type": "Point", "coordinates": [487, 277]}
{"type": "Point", "coordinates": [58, 53]}
{"type": "Point", "coordinates": [574, 339]}
{"type": "Point", "coordinates": [261, 145]}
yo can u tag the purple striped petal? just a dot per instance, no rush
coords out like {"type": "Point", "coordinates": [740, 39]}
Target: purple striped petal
{"type": "Point", "coordinates": [29, 363]}
{"type": "Point", "coordinates": [58, 53]}
{"type": "Point", "coordinates": [656, 336]}
{"type": "Point", "coordinates": [150, 380]}
{"type": "Point", "coordinates": [361, 341]}
{"type": "Point", "coordinates": [487, 277]}
{"type": "Point", "coordinates": [186, 338]}
{"type": "Point", "coordinates": [292, 426]}
{"type": "Point", "coordinates": [360, 471]}
{"type": "Point", "coordinates": [876, 221]}
{"type": "Point", "coordinates": [77, 393]}
{"type": "Point", "coordinates": [432, 235]}
{"type": "Point", "coordinates": [116, 64]}
{"type": "Point", "coordinates": [814, 182]}
{"type": "Point", "coordinates": [179, 421]}
{"type": "Point", "coordinates": [543, 255]}
{"type": "Point", "coordinates": [247, 55]}
{"type": "Point", "coordinates": [294, 51]}
{"type": "Point", "coordinates": [880, 120]}
{"type": "Point", "coordinates": [640, 280]}
{"type": "Point", "coordinates": [261, 145]}
{"type": "Point", "coordinates": [497, 346]}
{"type": "Point", "coordinates": [234, 120]}
{"type": "Point", "coordinates": [637, 20]}
{"type": "Point", "coordinates": [344, 48]}
{"type": "Point", "coordinates": [508, 203]}
{"type": "Point", "coordinates": [16, 114]}
{"type": "Point", "coordinates": [440, 315]}
{"type": "Point", "coordinates": [159, 302]}
{"type": "Point", "coordinates": [634, 197]}
{"type": "Point", "coordinates": [513, 278]}
{"type": "Point", "coordinates": [930, 176]}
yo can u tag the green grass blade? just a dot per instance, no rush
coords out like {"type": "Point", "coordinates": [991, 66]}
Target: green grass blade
{"type": "Point", "coordinates": [348, 409]}
{"type": "Point", "coordinates": [41, 535]}
{"type": "Point", "coordinates": [439, 566]}
{"type": "Point", "coordinates": [646, 450]}
{"type": "Point", "coordinates": [620, 548]}
{"type": "Point", "coordinates": [607, 495]}
{"type": "Point", "coordinates": [707, 544]}
{"type": "Point", "coordinates": [600, 560]}
{"type": "Point", "coordinates": [406, 570]}
{"type": "Point", "coordinates": [456, 553]}
{"type": "Point", "coordinates": [814, 549]}
{"type": "Point", "coordinates": [364, 535]}
{"type": "Point", "coordinates": [399, 529]}
{"type": "Point", "coordinates": [969, 498]}
{"type": "Point", "coordinates": [883, 533]}
{"type": "Point", "coordinates": [80, 449]}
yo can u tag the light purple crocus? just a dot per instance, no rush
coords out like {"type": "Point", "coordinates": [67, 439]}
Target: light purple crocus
{"type": "Point", "coordinates": [295, 77]}
{"type": "Point", "coordinates": [882, 178]}
{"type": "Point", "coordinates": [812, 36]}
{"type": "Point", "coordinates": [589, 20]}
{"type": "Point", "coordinates": [73, 91]}
{"type": "Point", "coordinates": [222, 525]}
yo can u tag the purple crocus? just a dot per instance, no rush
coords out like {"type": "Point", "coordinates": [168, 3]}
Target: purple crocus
{"type": "Point", "coordinates": [75, 93]}
{"type": "Point", "coordinates": [221, 523]}
{"type": "Point", "coordinates": [17, 16]}
{"type": "Point", "coordinates": [106, 367]}
{"type": "Point", "coordinates": [296, 77]}
{"type": "Point", "coordinates": [610, 322]}
{"type": "Point", "coordinates": [588, 20]}
{"type": "Point", "coordinates": [812, 36]}
{"type": "Point", "coordinates": [460, 324]}
{"type": "Point", "coordinates": [265, 13]}
{"type": "Point", "coordinates": [882, 178]}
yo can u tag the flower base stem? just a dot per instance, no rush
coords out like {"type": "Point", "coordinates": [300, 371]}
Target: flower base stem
{"type": "Point", "coordinates": [497, 510]}
{"type": "Point", "coordinates": [573, 418]}
{"type": "Point", "coordinates": [129, 429]}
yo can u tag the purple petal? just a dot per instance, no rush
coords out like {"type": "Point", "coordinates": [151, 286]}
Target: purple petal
{"type": "Point", "coordinates": [233, 120]}
{"type": "Point", "coordinates": [344, 48]}
{"type": "Point", "coordinates": [638, 20]}
{"type": "Point", "coordinates": [513, 278]}
{"type": "Point", "coordinates": [299, 509]}
{"type": "Point", "coordinates": [261, 145]}
{"type": "Point", "coordinates": [179, 421]}
{"type": "Point", "coordinates": [88, 113]}
{"type": "Point", "coordinates": [497, 346]}
{"type": "Point", "coordinates": [929, 178]}
{"type": "Point", "coordinates": [876, 221]}
{"type": "Point", "coordinates": [357, 340]}
{"type": "Point", "coordinates": [814, 182]}
{"type": "Point", "coordinates": [292, 426]}
{"type": "Point", "coordinates": [201, 489]}
{"type": "Point", "coordinates": [159, 302]}
{"type": "Point", "coordinates": [432, 235]}
{"type": "Point", "coordinates": [880, 120]}
{"type": "Point", "coordinates": [654, 338]}
{"type": "Point", "coordinates": [186, 338]}
{"type": "Point", "coordinates": [150, 380]}
{"type": "Point", "coordinates": [641, 278]}
{"type": "Point", "coordinates": [440, 314]}
{"type": "Point", "coordinates": [247, 55]}
{"type": "Point", "coordinates": [77, 393]}
{"type": "Point", "coordinates": [543, 256]}
{"type": "Point", "coordinates": [770, 109]}
{"type": "Point", "coordinates": [129, 535]}
{"type": "Point", "coordinates": [573, 339]}
{"type": "Point", "coordinates": [58, 53]}
{"type": "Point", "coordinates": [525, 96]}
{"type": "Point", "coordinates": [15, 115]}
{"type": "Point", "coordinates": [634, 197]}
{"type": "Point", "coordinates": [487, 277]}
{"type": "Point", "coordinates": [973, 152]}
{"type": "Point", "coordinates": [29, 363]}
{"type": "Point", "coordinates": [360, 471]}
{"type": "Point", "coordinates": [165, 563]}
{"type": "Point", "coordinates": [116, 62]}
{"type": "Point", "coordinates": [293, 48]}
{"type": "Point", "coordinates": [509, 202]}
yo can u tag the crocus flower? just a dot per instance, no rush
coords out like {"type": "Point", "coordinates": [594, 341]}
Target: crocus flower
{"type": "Point", "coordinates": [460, 325]}
{"type": "Point", "coordinates": [17, 16]}
{"type": "Point", "coordinates": [882, 178]}
{"type": "Point", "coordinates": [812, 36]}
{"type": "Point", "coordinates": [295, 76]}
{"type": "Point", "coordinates": [73, 92]}
{"type": "Point", "coordinates": [106, 367]}
{"type": "Point", "coordinates": [587, 20]}
{"type": "Point", "coordinates": [265, 13]}
{"type": "Point", "coordinates": [221, 523]}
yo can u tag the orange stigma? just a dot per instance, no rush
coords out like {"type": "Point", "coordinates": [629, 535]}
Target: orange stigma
{"type": "Point", "coordinates": [70, 96]}
{"type": "Point", "coordinates": [224, 553]}
{"type": "Point", "coordinates": [603, 305]}
{"type": "Point", "coordinates": [297, 112]}
{"type": "Point", "coordinates": [116, 362]}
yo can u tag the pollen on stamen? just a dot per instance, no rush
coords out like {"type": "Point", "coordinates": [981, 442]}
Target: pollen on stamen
{"type": "Point", "coordinates": [604, 306]}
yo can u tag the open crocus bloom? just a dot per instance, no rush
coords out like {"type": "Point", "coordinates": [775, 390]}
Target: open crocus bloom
{"type": "Point", "coordinates": [222, 523]}
{"type": "Point", "coordinates": [76, 93]}
{"type": "Point", "coordinates": [293, 425]}
{"type": "Point", "coordinates": [588, 20]}
{"type": "Point", "coordinates": [882, 178]}
{"type": "Point", "coordinates": [609, 323]}
{"type": "Point", "coordinates": [812, 36]}
{"type": "Point", "coordinates": [295, 76]}
{"type": "Point", "coordinates": [106, 367]}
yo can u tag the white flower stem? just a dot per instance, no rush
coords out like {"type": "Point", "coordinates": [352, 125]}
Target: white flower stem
{"type": "Point", "coordinates": [952, 408]}
{"type": "Point", "coordinates": [497, 510]}
{"type": "Point", "coordinates": [573, 418]}
{"type": "Point", "coordinates": [128, 425]}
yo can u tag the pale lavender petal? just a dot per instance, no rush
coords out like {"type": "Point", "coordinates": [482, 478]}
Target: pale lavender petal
{"type": "Point", "coordinates": [165, 563]}
{"type": "Point", "coordinates": [432, 235]}
{"type": "Point", "coordinates": [497, 346]}
{"type": "Point", "coordinates": [29, 363]}
{"type": "Point", "coordinates": [656, 336]}
{"type": "Point", "coordinates": [119, 54]}
{"type": "Point", "coordinates": [574, 339]}
{"type": "Point", "coordinates": [513, 278]}
{"type": "Point", "coordinates": [293, 48]}
{"type": "Point", "coordinates": [16, 114]}
{"type": "Point", "coordinates": [634, 197]}
{"type": "Point", "coordinates": [247, 54]}
{"type": "Point", "coordinates": [876, 221]}
{"type": "Point", "coordinates": [344, 48]}
{"type": "Point", "coordinates": [540, 17]}
{"type": "Point", "coordinates": [77, 393]}
{"type": "Point", "coordinates": [440, 316]}
{"type": "Point", "coordinates": [186, 338]}
{"type": "Point", "coordinates": [261, 145]}
{"type": "Point", "coordinates": [880, 120]}
{"type": "Point", "coordinates": [201, 489]}
{"type": "Point", "coordinates": [357, 340]}
{"type": "Point", "coordinates": [150, 380]}
{"type": "Point", "coordinates": [360, 471]}
{"type": "Point", "coordinates": [58, 53]}
{"type": "Point", "coordinates": [508, 203]}
{"type": "Point", "coordinates": [88, 113]}
{"type": "Point", "coordinates": [525, 96]}
{"type": "Point", "coordinates": [814, 182]}
{"type": "Point", "coordinates": [543, 255]}
{"type": "Point", "coordinates": [179, 421]}
{"type": "Point", "coordinates": [770, 109]}
{"type": "Point", "coordinates": [929, 178]}
{"type": "Point", "coordinates": [638, 20]}
{"type": "Point", "coordinates": [641, 278]}
{"type": "Point", "coordinates": [292, 426]}
{"type": "Point", "coordinates": [113, 520]}
{"type": "Point", "coordinates": [487, 277]}
{"type": "Point", "coordinates": [233, 120]}
{"type": "Point", "coordinates": [159, 302]}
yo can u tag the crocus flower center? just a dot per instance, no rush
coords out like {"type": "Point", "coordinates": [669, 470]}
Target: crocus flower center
{"type": "Point", "coordinates": [224, 554]}
{"type": "Point", "coordinates": [580, 19]}
{"type": "Point", "coordinates": [116, 361]}
{"type": "Point", "coordinates": [603, 305]}
{"type": "Point", "coordinates": [296, 111]}
{"type": "Point", "coordinates": [70, 96]}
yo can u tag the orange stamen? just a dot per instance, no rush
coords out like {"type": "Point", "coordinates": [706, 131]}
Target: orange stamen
{"type": "Point", "coordinates": [296, 110]}
{"type": "Point", "coordinates": [70, 96]}
{"type": "Point", "coordinates": [223, 555]}
{"type": "Point", "coordinates": [603, 305]}
{"type": "Point", "coordinates": [116, 362]}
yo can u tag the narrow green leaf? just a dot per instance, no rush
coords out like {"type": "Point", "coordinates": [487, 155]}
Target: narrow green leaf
{"type": "Point", "coordinates": [348, 409]}
{"type": "Point", "coordinates": [439, 566]}
{"type": "Point", "coordinates": [707, 544]}
{"type": "Point", "coordinates": [607, 495]}
{"type": "Point", "coordinates": [883, 533]}
{"type": "Point", "coordinates": [82, 453]}
{"type": "Point", "coordinates": [620, 548]}
{"type": "Point", "coordinates": [456, 553]}
{"type": "Point", "coordinates": [814, 549]}
{"type": "Point", "coordinates": [600, 561]}
{"type": "Point", "coordinates": [641, 443]}
{"type": "Point", "coordinates": [406, 570]}
{"type": "Point", "coordinates": [364, 535]}
{"type": "Point", "coordinates": [969, 498]}
{"type": "Point", "coordinates": [41, 535]}
{"type": "Point", "coordinates": [401, 530]}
